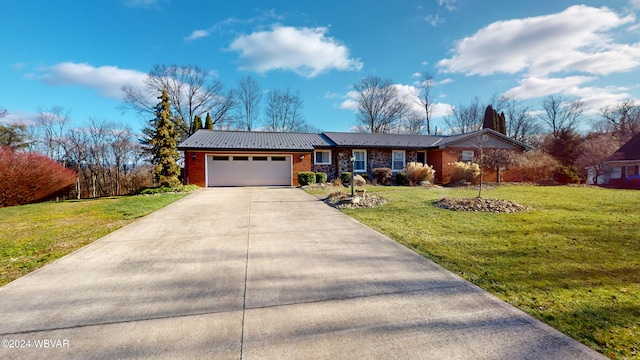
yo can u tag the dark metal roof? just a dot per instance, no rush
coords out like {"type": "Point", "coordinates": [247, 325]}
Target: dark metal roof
{"type": "Point", "coordinates": [630, 150]}
{"type": "Point", "coordinates": [279, 141]}
{"type": "Point", "coordinates": [400, 141]}
{"type": "Point", "coordinates": [253, 140]}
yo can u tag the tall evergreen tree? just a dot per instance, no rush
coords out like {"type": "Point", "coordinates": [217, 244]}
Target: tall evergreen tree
{"type": "Point", "coordinates": [163, 144]}
{"type": "Point", "coordinates": [208, 124]}
{"type": "Point", "coordinates": [197, 124]}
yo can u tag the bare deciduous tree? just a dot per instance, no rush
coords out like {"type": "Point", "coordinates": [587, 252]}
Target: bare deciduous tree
{"type": "Point", "coordinates": [50, 129]}
{"type": "Point", "coordinates": [380, 106]}
{"type": "Point", "coordinates": [249, 95]}
{"type": "Point", "coordinates": [424, 99]}
{"type": "Point", "coordinates": [521, 124]}
{"type": "Point", "coordinates": [621, 119]}
{"type": "Point", "coordinates": [283, 111]}
{"type": "Point", "coordinates": [463, 119]}
{"type": "Point", "coordinates": [191, 91]}
{"type": "Point", "coordinates": [595, 150]}
{"type": "Point", "coordinates": [560, 113]}
{"type": "Point", "coordinates": [413, 123]}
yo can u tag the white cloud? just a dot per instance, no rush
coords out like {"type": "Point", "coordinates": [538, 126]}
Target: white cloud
{"type": "Point", "coordinates": [449, 4]}
{"type": "Point", "coordinates": [576, 39]}
{"type": "Point", "coordinates": [433, 20]}
{"type": "Point", "coordinates": [635, 4]}
{"type": "Point", "coordinates": [533, 87]}
{"type": "Point", "coordinates": [106, 80]}
{"type": "Point", "coordinates": [305, 51]}
{"type": "Point", "coordinates": [197, 34]}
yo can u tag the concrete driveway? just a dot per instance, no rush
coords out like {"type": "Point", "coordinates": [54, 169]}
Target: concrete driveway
{"type": "Point", "coordinates": [260, 273]}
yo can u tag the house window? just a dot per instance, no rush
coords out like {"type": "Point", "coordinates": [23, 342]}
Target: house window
{"type": "Point", "coordinates": [360, 165]}
{"type": "Point", "coordinates": [240, 158]}
{"type": "Point", "coordinates": [259, 158]}
{"type": "Point", "coordinates": [220, 158]}
{"type": "Point", "coordinates": [467, 156]}
{"type": "Point", "coordinates": [322, 157]}
{"type": "Point", "coordinates": [397, 160]}
{"type": "Point", "coordinates": [628, 171]}
{"type": "Point", "coordinates": [278, 158]}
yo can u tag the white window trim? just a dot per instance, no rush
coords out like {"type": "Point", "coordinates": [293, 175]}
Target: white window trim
{"type": "Point", "coordinates": [473, 154]}
{"type": "Point", "coordinates": [321, 163]}
{"type": "Point", "coordinates": [365, 160]}
{"type": "Point", "coordinates": [404, 160]}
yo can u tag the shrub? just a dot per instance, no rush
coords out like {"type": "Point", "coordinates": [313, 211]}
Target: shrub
{"type": "Point", "coordinates": [465, 171]}
{"type": "Point", "coordinates": [306, 178]}
{"type": "Point", "coordinates": [536, 165]}
{"type": "Point", "coordinates": [566, 175]}
{"type": "Point", "coordinates": [30, 177]}
{"type": "Point", "coordinates": [321, 177]}
{"type": "Point", "coordinates": [345, 177]}
{"type": "Point", "coordinates": [365, 176]}
{"type": "Point", "coordinates": [419, 172]}
{"type": "Point", "coordinates": [401, 178]}
{"type": "Point", "coordinates": [382, 175]}
{"type": "Point", "coordinates": [358, 180]}
{"type": "Point", "coordinates": [166, 189]}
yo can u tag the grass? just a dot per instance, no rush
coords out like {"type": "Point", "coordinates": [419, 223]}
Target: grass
{"type": "Point", "coordinates": [572, 261]}
{"type": "Point", "coordinates": [34, 235]}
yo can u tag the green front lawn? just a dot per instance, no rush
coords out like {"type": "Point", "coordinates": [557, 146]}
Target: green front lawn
{"type": "Point", "coordinates": [572, 261]}
{"type": "Point", "coordinates": [34, 235]}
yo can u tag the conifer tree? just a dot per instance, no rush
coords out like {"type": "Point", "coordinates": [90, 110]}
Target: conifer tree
{"type": "Point", "coordinates": [197, 124]}
{"type": "Point", "coordinates": [164, 144]}
{"type": "Point", "coordinates": [208, 124]}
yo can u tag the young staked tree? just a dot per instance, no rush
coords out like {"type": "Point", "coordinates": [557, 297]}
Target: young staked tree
{"type": "Point", "coordinates": [163, 144]}
{"type": "Point", "coordinates": [380, 106]}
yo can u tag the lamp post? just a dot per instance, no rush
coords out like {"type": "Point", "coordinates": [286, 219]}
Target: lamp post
{"type": "Point", "coordinates": [353, 160]}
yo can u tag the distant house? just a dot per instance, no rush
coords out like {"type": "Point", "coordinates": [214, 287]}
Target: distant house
{"type": "Point", "coordinates": [623, 168]}
{"type": "Point", "coordinates": [241, 158]}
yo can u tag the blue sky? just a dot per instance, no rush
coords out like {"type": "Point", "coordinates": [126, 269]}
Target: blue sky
{"type": "Point", "coordinates": [78, 54]}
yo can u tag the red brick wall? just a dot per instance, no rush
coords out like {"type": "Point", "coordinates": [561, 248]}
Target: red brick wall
{"type": "Point", "coordinates": [194, 172]}
{"type": "Point", "coordinates": [300, 165]}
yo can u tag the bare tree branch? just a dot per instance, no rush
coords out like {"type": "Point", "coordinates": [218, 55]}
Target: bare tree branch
{"type": "Point", "coordinates": [380, 107]}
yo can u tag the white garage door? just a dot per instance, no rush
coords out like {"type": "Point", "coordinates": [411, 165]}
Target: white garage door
{"type": "Point", "coordinates": [248, 170]}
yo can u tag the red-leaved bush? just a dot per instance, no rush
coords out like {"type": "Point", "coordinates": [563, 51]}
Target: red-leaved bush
{"type": "Point", "coordinates": [30, 177]}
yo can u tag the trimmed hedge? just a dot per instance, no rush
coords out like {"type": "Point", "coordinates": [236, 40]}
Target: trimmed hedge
{"type": "Point", "coordinates": [321, 177]}
{"type": "Point", "coordinates": [382, 175]}
{"type": "Point", "coordinates": [306, 178]}
{"type": "Point", "coordinates": [401, 178]}
{"type": "Point", "coordinates": [345, 177]}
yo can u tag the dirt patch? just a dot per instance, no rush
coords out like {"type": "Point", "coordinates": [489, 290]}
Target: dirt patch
{"type": "Point", "coordinates": [342, 200]}
{"type": "Point", "coordinates": [480, 205]}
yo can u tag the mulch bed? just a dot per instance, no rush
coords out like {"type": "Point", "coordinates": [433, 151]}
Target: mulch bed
{"type": "Point", "coordinates": [342, 200]}
{"type": "Point", "coordinates": [480, 205]}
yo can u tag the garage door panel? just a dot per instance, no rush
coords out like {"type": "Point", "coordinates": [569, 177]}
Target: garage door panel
{"type": "Point", "coordinates": [243, 170]}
